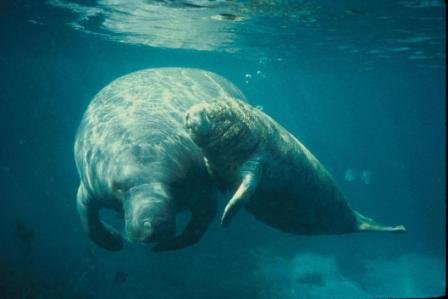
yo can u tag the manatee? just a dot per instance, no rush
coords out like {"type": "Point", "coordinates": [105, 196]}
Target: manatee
{"type": "Point", "coordinates": [270, 172]}
{"type": "Point", "coordinates": [134, 156]}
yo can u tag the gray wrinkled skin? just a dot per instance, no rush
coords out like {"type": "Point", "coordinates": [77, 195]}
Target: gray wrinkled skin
{"type": "Point", "coordinates": [133, 155]}
{"type": "Point", "coordinates": [294, 192]}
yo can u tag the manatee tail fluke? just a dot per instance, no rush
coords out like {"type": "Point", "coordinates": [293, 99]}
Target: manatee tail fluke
{"type": "Point", "coordinates": [365, 224]}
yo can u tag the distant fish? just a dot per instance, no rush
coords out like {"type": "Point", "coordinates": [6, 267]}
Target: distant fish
{"type": "Point", "coordinates": [350, 175]}
{"type": "Point", "coordinates": [23, 232]}
{"type": "Point", "coordinates": [365, 176]}
{"type": "Point", "coordinates": [120, 277]}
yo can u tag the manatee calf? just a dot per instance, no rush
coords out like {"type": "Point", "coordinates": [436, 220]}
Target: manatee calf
{"type": "Point", "coordinates": [134, 156]}
{"type": "Point", "coordinates": [270, 172]}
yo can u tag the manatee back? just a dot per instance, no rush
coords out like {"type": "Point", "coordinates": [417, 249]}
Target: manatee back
{"type": "Point", "coordinates": [159, 91]}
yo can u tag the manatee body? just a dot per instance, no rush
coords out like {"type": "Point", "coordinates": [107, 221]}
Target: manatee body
{"type": "Point", "coordinates": [134, 156]}
{"type": "Point", "coordinates": [270, 172]}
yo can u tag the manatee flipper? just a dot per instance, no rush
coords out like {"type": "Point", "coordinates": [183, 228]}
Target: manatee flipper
{"type": "Point", "coordinates": [365, 224]}
{"type": "Point", "coordinates": [250, 174]}
{"type": "Point", "coordinates": [100, 233]}
{"type": "Point", "coordinates": [200, 219]}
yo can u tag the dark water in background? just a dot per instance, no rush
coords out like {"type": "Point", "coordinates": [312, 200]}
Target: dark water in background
{"type": "Point", "coordinates": [361, 84]}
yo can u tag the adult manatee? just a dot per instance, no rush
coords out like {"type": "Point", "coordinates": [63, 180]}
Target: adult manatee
{"type": "Point", "coordinates": [270, 172]}
{"type": "Point", "coordinates": [134, 156]}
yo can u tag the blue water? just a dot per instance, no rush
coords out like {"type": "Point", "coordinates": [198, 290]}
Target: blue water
{"type": "Point", "coordinates": [362, 85]}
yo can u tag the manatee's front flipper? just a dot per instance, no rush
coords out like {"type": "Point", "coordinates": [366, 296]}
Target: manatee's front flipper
{"type": "Point", "coordinates": [202, 215]}
{"type": "Point", "coordinates": [100, 233]}
{"type": "Point", "coordinates": [365, 224]}
{"type": "Point", "coordinates": [250, 174]}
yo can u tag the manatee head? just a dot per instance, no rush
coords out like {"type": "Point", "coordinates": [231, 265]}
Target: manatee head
{"type": "Point", "coordinates": [219, 125]}
{"type": "Point", "coordinates": [150, 214]}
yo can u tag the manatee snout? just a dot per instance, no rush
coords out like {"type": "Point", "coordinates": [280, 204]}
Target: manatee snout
{"type": "Point", "coordinates": [150, 216]}
{"type": "Point", "coordinates": [197, 121]}
{"type": "Point", "coordinates": [150, 229]}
